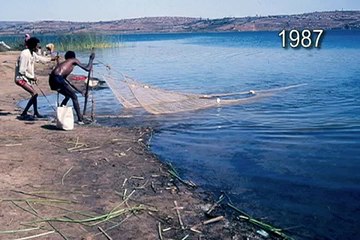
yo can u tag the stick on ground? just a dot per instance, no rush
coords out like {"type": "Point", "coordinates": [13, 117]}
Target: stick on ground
{"type": "Point", "coordinates": [177, 208]}
{"type": "Point", "coordinates": [103, 232]}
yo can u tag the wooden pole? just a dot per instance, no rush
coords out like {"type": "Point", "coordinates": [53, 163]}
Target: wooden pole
{"type": "Point", "coordinates": [87, 88]}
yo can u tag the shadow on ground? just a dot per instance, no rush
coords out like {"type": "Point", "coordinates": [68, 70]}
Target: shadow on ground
{"type": "Point", "coordinates": [50, 127]}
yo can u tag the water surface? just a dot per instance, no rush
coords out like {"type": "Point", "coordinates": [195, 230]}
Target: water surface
{"type": "Point", "coordinates": [293, 158]}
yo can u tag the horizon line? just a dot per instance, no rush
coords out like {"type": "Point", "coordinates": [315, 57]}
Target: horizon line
{"type": "Point", "coordinates": [132, 18]}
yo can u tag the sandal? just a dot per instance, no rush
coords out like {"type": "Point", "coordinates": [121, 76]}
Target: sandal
{"type": "Point", "coordinates": [25, 117]}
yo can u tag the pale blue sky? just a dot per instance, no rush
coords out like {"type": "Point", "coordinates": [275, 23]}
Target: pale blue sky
{"type": "Point", "coordinates": [102, 10]}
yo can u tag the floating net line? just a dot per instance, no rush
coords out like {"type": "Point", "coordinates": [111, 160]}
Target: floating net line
{"type": "Point", "coordinates": [134, 94]}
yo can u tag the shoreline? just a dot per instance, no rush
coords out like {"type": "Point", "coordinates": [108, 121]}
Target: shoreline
{"type": "Point", "coordinates": [58, 183]}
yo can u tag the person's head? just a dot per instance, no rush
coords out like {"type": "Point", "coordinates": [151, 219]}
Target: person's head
{"type": "Point", "coordinates": [50, 47]}
{"type": "Point", "coordinates": [69, 54]}
{"type": "Point", "coordinates": [27, 37]}
{"type": "Point", "coordinates": [32, 43]}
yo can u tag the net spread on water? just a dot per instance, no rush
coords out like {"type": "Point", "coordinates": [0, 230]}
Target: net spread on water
{"type": "Point", "coordinates": [134, 94]}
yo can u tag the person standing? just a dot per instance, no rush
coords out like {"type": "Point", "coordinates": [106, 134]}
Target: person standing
{"type": "Point", "coordinates": [58, 82]}
{"type": "Point", "coordinates": [25, 75]}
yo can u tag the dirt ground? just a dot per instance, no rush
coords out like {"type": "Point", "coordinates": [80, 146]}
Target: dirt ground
{"type": "Point", "coordinates": [93, 182]}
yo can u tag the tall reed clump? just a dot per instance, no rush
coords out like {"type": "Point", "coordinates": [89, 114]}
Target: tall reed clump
{"type": "Point", "coordinates": [16, 43]}
{"type": "Point", "coordinates": [66, 42]}
{"type": "Point", "coordinates": [86, 41]}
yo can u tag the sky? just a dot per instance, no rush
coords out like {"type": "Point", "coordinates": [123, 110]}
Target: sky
{"type": "Point", "coordinates": [104, 10]}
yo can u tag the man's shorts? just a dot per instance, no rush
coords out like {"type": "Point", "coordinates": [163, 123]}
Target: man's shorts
{"type": "Point", "coordinates": [56, 82]}
{"type": "Point", "coordinates": [21, 81]}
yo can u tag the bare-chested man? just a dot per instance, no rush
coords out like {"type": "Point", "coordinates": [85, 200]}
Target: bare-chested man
{"type": "Point", "coordinates": [58, 82]}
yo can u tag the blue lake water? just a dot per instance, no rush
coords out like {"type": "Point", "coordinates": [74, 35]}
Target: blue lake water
{"type": "Point", "coordinates": [292, 159]}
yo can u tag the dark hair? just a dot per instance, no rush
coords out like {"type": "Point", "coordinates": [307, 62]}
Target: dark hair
{"type": "Point", "coordinates": [69, 54]}
{"type": "Point", "coordinates": [32, 42]}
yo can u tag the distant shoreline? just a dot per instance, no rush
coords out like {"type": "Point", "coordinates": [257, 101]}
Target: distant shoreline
{"type": "Point", "coordinates": [150, 25]}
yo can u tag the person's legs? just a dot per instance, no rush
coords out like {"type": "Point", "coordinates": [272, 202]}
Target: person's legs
{"type": "Point", "coordinates": [32, 101]}
{"type": "Point", "coordinates": [68, 92]}
{"type": "Point", "coordinates": [58, 83]}
{"type": "Point", "coordinates": [36, 112]}
{"type": "Point", "coordinates": [65, 101]}
{"type": "Point", "coordinates": [28, 105]}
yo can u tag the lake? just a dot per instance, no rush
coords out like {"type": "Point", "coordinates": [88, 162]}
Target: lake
{"type": "Point", "coordinates": [292, 159]}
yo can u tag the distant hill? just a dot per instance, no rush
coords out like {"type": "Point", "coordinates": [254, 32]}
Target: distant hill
{"type": "Point", "coordinates": [316, 20]}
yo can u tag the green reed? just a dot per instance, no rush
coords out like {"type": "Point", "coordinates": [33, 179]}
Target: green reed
{"type": "Point", "coordinates": [84, 41]}
{"type": "Point", "coordinates": [66, 42]}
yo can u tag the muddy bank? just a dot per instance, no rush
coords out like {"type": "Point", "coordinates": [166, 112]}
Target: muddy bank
{"type": "Point", "coordinates": [93, 182]}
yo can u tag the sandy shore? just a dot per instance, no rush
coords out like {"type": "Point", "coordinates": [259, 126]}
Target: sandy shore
{"type": "Point", "coordinates": [93, 182]}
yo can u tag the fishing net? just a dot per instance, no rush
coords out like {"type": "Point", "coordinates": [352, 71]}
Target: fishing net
{"type": "Point", "coordinates": [134, 94]}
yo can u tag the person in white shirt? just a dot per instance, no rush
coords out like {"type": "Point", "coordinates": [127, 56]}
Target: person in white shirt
{"type": "Point", "coordinates": [25, 75]}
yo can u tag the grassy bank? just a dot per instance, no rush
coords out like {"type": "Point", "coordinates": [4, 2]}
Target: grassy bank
{"type": "Point", "coordinates": [75, 42]}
